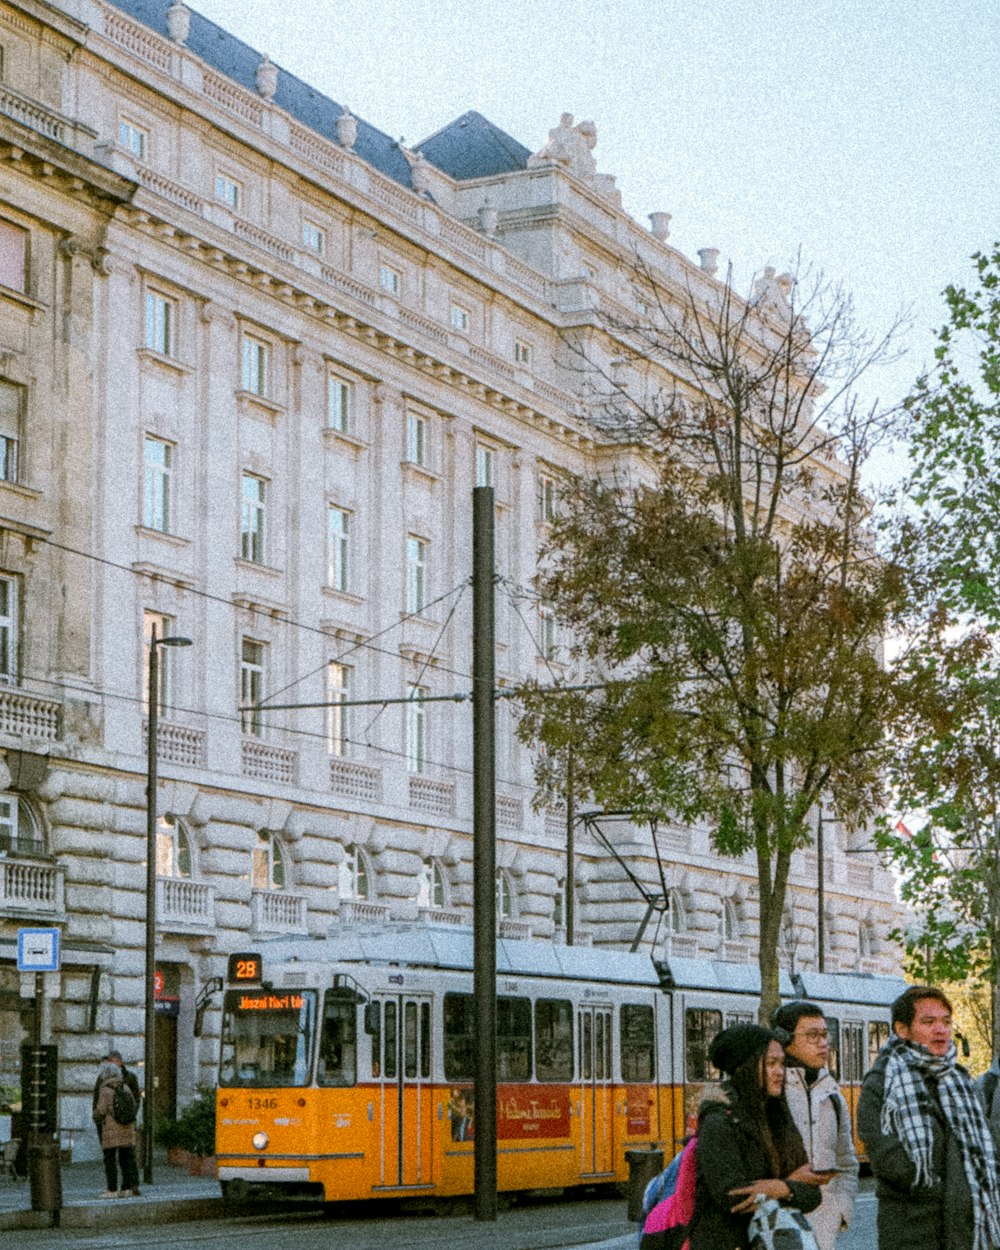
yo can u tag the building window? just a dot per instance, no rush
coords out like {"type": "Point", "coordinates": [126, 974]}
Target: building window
{"type": "Point", "coordinates": [548, 498]}
{"type": "Point", "coordinates": [13, 256]}
{"type": "Point", "coordinates": [547, 644]}
{"type": "Point", "coordinates": [256, 366]}
{"type": "Point", "coordinates": [161, 320]}
{"type": "Point", "coordinates": [505, 896]}
{"type": "Point", "coordinates": [866, 941]}
{"type": "Point", "coordinates": [229, 191]}
{"type": "Point", "coordinates": [354, 878]}
{"type": "Point", "coordinates": [676, 912]}
{"type": "Point", "coordinates": [268, 862]}
{"type": "Point", "coordinates": [416, 575]}
{"type": "Point", "coordinates": [252, 518]}
{"type": "Point", "coordinates": [389, 279]}
{"type": "Point", "coordinates": [416, 438]}
{"type": "Point", "coordinates": [173, 848]}
{"type": "Point", "coordinates": [313, 237]}
{"type": "Point", "coordinates": [19, 832]}
{"type": "Point", "coordinates": [251, 687]}
{"type": "Point", "coordinates": [338, 688]}
{"type": "Point", "coordinates": [132, 138]}
{"type": "Point", "coordinates": [729, 921]}
{"type": "Point", "coordinates": [338, 404]}
{"type": "Point", "coordinates": [460, 318]}
{"type": "Point", "coordinates": [430, 885]}
{"type": "Point", "coordinates": [338, 539]}
{"type": "Point", "coordinates": [164, 626]}
{"type": "Point", "coordinates": [559, 906]}
{"type": "Point", "coordinates": [11, 405]}
{"type": "Point", "coordinates": [416, 729]}
{"type": "Point", "coordinates": [485, 466]}
{"type": "Point", "coordinates": [522, 352]}
{"type": "Point", "coordinates": [158, 468]}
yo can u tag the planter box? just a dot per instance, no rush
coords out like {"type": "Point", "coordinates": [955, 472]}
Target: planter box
{"type": "Point", "coordinates": [202, 1165]}
{"type": "Point", "coordinates": [178, 1157]}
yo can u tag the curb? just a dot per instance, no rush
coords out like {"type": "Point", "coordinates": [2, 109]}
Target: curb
{"type": "Point", "coordinates": [121, 1213]}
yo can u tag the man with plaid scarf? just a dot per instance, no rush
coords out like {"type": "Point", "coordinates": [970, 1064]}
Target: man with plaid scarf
{"type": "Point", "coordinates": [927, 1138]}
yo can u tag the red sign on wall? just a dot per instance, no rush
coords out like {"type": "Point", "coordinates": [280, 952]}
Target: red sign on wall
{"type": "Point", "coordinates": [532, 1111]}
{"type": "Point", "coordinates": [638, 1119]}
{"type": "Point", "coordinates": [158, 983]}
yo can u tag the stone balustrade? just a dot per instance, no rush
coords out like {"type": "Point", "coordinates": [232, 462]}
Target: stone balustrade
{"type": "Point", "coordinates": [428, 795]}
{"type": "Point", "coordinates": [277, 911]}
{"type": "Point", "coordinates": [269, 763]}
{"type": "Point", "coordinates": [30, 716]}
{"type": "Point", "coordinates": [183, 903]}
{"type": "Point", "coordinates": [354, 780]}
{"type": "Point", "coordinates": [30, 888]}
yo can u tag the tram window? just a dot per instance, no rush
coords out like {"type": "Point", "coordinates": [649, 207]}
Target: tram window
{"type": "Point", "coordinates": [833, 1055]}
{"type": "Point", "coordinates": [701, 1024]}
{"type": "Point", "coordinates": [373, 1025]}
{"type": "Point", "coordinates": [878, 1035]}
{"type": "Point", "coordinates": [410, 1040]}
{"type": "Point", "coordinates": [602, 1046]}
{"type": "Point", "coordinates": [267, 1038]}
{"type": "Point", "coordinates": [586, 1048]}
{"type": "Point", "coordinates": [425, 1040]}
{"type": "Point", "coordinates": [338, 1042]}
{"type": "Point", "coordinates": [553, 1040]}
{"type": "Point", "coordinates": [637, 1043]}
{"type": "Point", "coordinates": [739, 1017]}
{"type": "Point", "coordinates": [853, 1040]}
{"type": "Point", "coordinates": [513, 1039]}
{"type": "Point", "coordinates": [390, 1041]}
{"type": "Point", "coordinates": [459, 1037]}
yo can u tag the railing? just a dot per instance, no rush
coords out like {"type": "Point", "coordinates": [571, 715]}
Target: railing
{"type": "Point", "coordinates": [423, 324]}
{"type": "Point", "coordinates": [440, 915]}
{"type": "Point", "coordinates": [361, 911]}
{"type": "Point", "coordinates": [308, 144]}
{"type": "Point", "coordinates": [31, 887]}
{"type": "Point", "coordinates": [267, 763]}
{"type": "Point", "coordinates": [681, 946]}
{"type": "Point", "coordinates": [170, 190]}
{"type": "Point", "coordinates": [137, 39]}
{"type": "Point", "coordinates": [183, 902]}
{"type": "Point", "coordinates": [236, 99]}
{"type": "Point", "coordinates": [483, 357]}
{"type": "Point", "coordinates": [349, 286]}
{"type": "Point", "coordinates": [428, 795]}
{"type": "Point", "coordinates": [555, 819]}
{"type": "Point", "coordinates": [510, 812]}
{"type": "Point", "coordinates": [517, 929]}
{"type": "Point", "coordinates": [176, 744]}
{"type": "Point", "coordinates": [736, 952]}
{"type": "Point", "coordinates": [860, 877]}
{"type": "Point", "coordinates": [355, 781]}
{"type": "Point", "coordinates": [29, 716]}
{"type": "Point", "coordinates": [277, 911]}
{"type": "Point", "coordinates": [260, 238]}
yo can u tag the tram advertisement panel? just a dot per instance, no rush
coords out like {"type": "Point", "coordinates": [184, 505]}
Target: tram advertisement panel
{"type": "Point", "coordinates": [524, 1112]}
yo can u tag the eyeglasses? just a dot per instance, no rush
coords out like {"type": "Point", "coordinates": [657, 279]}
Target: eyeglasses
{"type": "Point", "coordinates": [814, 1035]}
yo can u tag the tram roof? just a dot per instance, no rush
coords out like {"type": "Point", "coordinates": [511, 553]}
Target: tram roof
{"type": "Point", "coordinates": [851, 987]}
{"type": "Point", "coordinates": [714, 974]}
{"type": "Point", "coordinates": [451, 947]}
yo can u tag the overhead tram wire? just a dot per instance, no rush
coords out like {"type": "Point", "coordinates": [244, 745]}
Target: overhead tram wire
{"type": "Point", "coordinates": [286, 620]}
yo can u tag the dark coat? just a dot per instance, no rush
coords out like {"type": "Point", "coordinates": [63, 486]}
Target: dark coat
{"type": "Point", "coordinates": [729, 1158]}
{"type": "Point", "coordinates": [910, 1217]}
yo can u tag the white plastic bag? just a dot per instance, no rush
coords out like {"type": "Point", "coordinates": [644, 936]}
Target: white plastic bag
{"type": "Point", "coordinates": [775, 1227]}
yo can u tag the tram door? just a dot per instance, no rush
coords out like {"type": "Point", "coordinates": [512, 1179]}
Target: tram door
{"type": "Point", "coordinates": [596, 1095]}
{"type": "Point", "coordinates": [404, 1092]}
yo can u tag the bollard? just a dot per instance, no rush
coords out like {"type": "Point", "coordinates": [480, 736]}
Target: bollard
{"type": "Point", "coordinates": [46, 1177]}
{"type": "Point", "coordinates": [643, 1165]}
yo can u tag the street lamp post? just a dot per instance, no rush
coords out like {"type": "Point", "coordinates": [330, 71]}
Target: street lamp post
{"type": "Point", "coordinates": [149, 1053]}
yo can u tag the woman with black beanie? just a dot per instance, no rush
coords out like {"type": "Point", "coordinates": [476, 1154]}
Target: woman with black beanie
{"type": "Point", "coordinates": [748, 1144]}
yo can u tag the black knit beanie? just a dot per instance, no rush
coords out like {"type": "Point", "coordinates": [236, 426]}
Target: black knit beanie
{"type": "Point", "coordinates": [737, 1045]}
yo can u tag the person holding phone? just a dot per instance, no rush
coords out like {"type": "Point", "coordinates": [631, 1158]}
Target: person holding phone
{"type": "Point", "coordinates": [821, 1115]}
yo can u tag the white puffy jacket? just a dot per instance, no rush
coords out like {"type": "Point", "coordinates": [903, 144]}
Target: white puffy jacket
{"type": "Point", "coordinates": [829, 1143]}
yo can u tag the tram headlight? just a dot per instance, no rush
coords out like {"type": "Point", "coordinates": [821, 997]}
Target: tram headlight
{"type": "Point", "coordinates": [260, 1141]}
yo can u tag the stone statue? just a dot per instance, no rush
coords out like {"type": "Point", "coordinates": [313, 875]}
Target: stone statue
{"type": "Point", "coordinates": [569, 146]}
{"type": "Point", "coordinates": [772, 294]}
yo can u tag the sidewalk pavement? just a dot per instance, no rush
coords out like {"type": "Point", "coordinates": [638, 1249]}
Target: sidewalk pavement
{"type": "Point", "coordinates": [175, 1196]}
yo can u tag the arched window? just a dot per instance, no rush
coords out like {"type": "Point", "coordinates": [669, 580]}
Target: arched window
{"type": "Point", "coordinates": [676, 912]}
{"type": "Point", "coordinates": [268, 862]}
{"type": "Point", "coordinates": [430, 885]}
{"type": "Point", "coordinates": [729, 921]}
{"type": "Point", "coordinates": [505, 896]}
{"type": "Point", "coordinates": [866, 940]}
{"type": "Point", "coordinates": [354, 877]}
{"type": "Point", "coordinates": [19, 831]}
{"type": "Point", "coordinates": [559, 906]}
{"type": "Point", "coordinates": [173, 848]}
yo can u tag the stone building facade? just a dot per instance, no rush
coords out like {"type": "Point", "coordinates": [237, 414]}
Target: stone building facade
{"type": "Point", "coordinates": [254, 356]}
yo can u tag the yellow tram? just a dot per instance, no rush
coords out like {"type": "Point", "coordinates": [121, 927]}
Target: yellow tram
{"type": "Point", "coordinates": [346, 1062]}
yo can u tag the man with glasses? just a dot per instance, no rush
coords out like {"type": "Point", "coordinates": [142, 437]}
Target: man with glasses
{"type": "Point", "coordinates": [821, 1116]}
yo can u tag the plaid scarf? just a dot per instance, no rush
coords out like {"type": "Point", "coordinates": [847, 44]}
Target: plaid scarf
{"type": "Point", "coordinates": [908, 1111]}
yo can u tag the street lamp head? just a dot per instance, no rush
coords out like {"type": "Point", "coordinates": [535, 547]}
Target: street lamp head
{"type": "Point", "coordinates": [173, 640]}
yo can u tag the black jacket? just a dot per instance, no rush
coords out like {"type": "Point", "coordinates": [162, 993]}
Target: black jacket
{"type": "Point", "coordinates": [729, 1158]}
{"type": "Point", "coordinates": [910, 1217]}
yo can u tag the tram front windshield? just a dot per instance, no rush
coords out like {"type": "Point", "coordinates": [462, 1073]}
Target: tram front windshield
{"type": "Point", "coordinates": [267, 1038]}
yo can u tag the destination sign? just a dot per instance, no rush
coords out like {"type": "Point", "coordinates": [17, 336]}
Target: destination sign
{"type": "Point", "coordinates": [270, 1002]}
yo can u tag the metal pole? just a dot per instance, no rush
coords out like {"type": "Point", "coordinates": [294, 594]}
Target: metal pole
{"type": "Point", "coordinates": [484, 852]}
{"type": "Point", "coordinates": [570, 899]}
{"type": "Point", "coordinates": [149, 1055]}
{"type": "Point", "coordinates": [820, 895]}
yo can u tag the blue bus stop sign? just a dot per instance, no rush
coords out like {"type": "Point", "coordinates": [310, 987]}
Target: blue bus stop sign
{"type": "Point", "coordinates": [38, 950]}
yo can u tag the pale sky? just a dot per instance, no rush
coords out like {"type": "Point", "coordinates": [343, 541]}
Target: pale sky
{"type": "Point", "coordinates": [861, 131]}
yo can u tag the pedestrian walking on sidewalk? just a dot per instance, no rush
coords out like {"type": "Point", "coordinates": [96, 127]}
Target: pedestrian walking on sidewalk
{"type": "Point", "coordinates": [930, 1147]}
{"type": "Point", "coordinates": [821, 1115]}
{"type": "Point", "coordinates": [117, 1139]}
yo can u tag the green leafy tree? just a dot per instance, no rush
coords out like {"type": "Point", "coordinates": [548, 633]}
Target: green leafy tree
{"type": "Point", "coordinates": [946, 760]}
{"type": "Point", "coordinates": [721, 580]}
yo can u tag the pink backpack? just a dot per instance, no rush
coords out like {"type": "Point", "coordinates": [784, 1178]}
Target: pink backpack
{"type": "Point", "coordinates": [666, 1225]}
